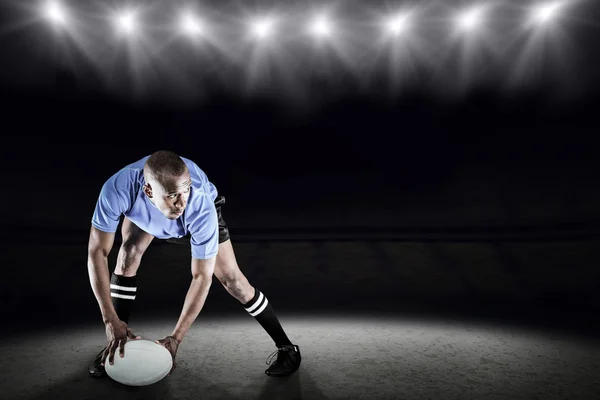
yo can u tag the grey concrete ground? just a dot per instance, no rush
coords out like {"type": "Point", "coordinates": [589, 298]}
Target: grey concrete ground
{"type": "Point", "coordinates": [344, 358]}
{"type": "Point", "coordinates": [387, 320]}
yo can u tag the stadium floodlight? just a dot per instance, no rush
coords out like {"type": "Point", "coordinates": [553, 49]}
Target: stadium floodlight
{"type": "Point", "coordinates": [470, 19]}
{"type": "Point", "coordinates": [397, 24]}
{"type": "Point", "coordinates": [55, 12]}
{"type": "Point", "coordinates": [190, 24]}
{"type": "Point", "coordinates": [543, 13]}
{"type": "Point", "coordinates": [262, 28]}
{"type": "Point", "coordinates": [320, 26]}
{"type": "Point", "coordinates": [126, 22]}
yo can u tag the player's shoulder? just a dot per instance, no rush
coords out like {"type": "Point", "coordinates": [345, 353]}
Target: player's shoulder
{"type": "Point", "coordinates": [194, 169]}
{"type": "Point", "coordinates": [199, 178]}
{"type": "Point", "coordinates": [129, 176]}
{"type": "Point", "coordinates": [137, 166]}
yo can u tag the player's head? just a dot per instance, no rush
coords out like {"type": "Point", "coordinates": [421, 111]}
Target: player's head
{"type": "Point", "coordinates": [168, 183]}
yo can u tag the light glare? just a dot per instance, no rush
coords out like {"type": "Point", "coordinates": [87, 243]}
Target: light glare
{"type": "Point", "coordinates": [126, 22]}
{"type": "Point", "coordinates": [321, 27]}
{"type": "Point", "coordinates": [262, 28]}
{"type": "Point", "coordinates": [470, 19]}
{"type": "Point", "coordinates": [397, 24]}
{"type": "Point", "coordinates": [190, 24]}
{"type": "Point", "coordinates": [55, 13]}
{"type": "Point", "coordinates": [544, 13]}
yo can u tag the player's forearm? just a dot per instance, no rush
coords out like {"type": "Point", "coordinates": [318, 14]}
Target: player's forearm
{"type": "Point", "coordinates": [100, 281]}
{"type": "Point", "coordinates": [194, 301]}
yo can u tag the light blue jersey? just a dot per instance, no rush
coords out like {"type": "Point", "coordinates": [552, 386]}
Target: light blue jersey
{"type": "Point", "coordinates": [122, 194]}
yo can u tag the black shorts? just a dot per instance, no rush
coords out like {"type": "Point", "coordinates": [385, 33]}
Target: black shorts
{"type": "Point", "coordinates": [223, 230]}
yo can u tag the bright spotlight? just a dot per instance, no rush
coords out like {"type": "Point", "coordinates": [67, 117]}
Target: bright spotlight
{"type": "Point", "coordinates": [263, 27]}
{"type": "Point", "coordinates": [55, 12]}
{"type": "Point", "coordinates": [320, 27]}
{"type": "Point", "coordinates": [190, 25]}
{"type": "Point", "coordinates": [470, 19]}
{"type": "Point", "coordinates": [543, 13]}
{"type": "Point", "coordinates": [126, 22]}
{"type": "Point", "coordinates": [398, 24]}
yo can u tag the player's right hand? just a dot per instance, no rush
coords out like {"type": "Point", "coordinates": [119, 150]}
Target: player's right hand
{"type": "Point", "coordinates": [117, 333]}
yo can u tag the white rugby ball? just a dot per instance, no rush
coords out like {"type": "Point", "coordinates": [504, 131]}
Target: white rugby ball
{"type": "Point", "coordinates": [144, 363]}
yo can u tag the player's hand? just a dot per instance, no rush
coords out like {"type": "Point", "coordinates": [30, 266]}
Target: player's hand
{"type": "Point", "coordinates": [117, 333]}
{"type": "Point", "coordinates": [171, 344]}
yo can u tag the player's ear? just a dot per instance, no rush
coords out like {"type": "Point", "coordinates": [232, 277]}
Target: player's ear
{"type": "Point", "coordinates": [148, 190]}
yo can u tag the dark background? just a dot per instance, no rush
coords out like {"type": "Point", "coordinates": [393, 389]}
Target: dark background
{"type": "Point", "coordinates": [481, 166]}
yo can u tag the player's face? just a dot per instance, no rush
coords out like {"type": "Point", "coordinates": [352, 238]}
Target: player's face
{"type": "Point", "coordinates": [171, 197]}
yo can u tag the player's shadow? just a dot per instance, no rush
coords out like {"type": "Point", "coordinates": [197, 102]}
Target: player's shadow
{"type": "Point", "coordinates": [83, 386]}
{"type": "Point", "coordinates": [180, 385]}
{"type": "Point", "coordinates": [298, 386]}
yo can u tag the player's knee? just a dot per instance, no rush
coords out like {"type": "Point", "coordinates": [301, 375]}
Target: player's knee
{"type": "Point", "coordinates": [233, 279]}
{"type": "Point", "coordinates": [238, 287]}
{"type": "Point", "coordinates": [229, 279]}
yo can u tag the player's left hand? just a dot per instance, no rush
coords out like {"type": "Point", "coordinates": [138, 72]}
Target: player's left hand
{"type": "Point", "coordinates": [171, 344]}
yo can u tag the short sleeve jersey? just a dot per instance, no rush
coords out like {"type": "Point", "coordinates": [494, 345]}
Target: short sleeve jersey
{"type": "Point", "coordinates": [122, 195]}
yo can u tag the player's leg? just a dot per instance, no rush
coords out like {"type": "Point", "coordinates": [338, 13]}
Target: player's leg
{"type": "Point", "coordinates": [123, 285]}
{"type": "Point", "coordinates": [123, 281]}
{"type": "Point", "coordinates": [254, 301]}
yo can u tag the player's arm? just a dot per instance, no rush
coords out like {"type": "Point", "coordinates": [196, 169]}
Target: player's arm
{"type": "Point", "coordinates": [99, 247]}
{"type": "Point", "coordinates": [202, 273]}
